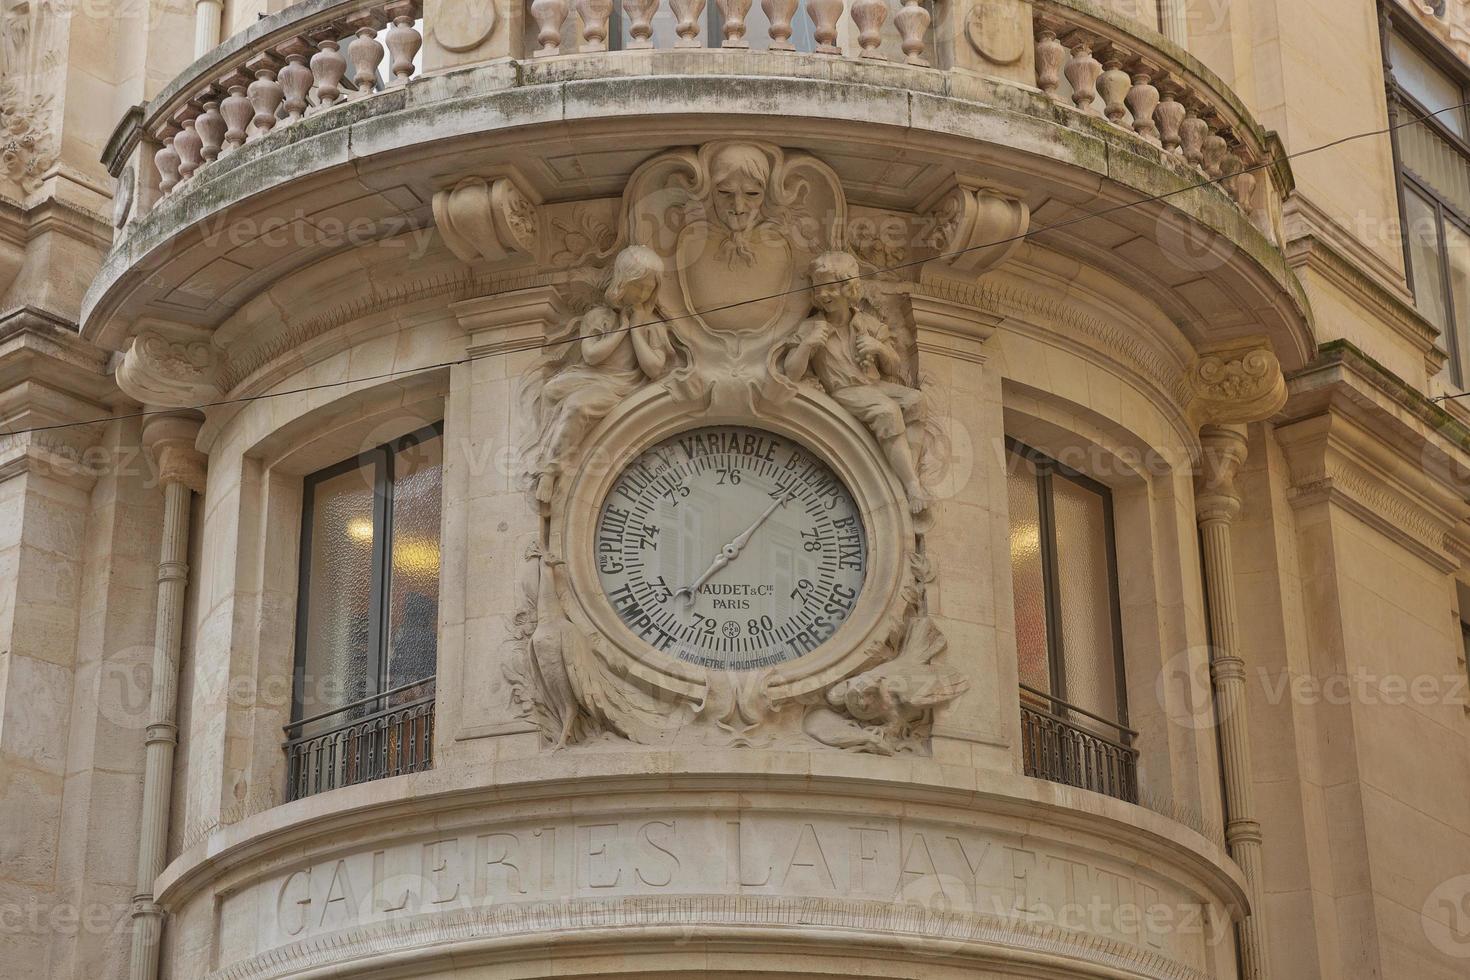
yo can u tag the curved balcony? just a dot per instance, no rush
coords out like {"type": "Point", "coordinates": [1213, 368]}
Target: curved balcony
{"type": "Point", "coordinates": [339, 107]}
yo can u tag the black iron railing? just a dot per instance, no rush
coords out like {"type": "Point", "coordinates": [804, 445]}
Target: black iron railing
{"type": "Point", "coordinates": [1066, 744]}
{"type": "Point", "coordinates": [381, 735]}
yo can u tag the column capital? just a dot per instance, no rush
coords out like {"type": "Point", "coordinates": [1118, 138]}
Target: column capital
{"type": "Point", "coordinates": [1234, 383]}
{"type": "Point", "coordinates": [169, 439]}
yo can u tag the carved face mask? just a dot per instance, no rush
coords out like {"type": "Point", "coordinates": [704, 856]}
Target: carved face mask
{"type": "Point", "coordinates": [738, 201]}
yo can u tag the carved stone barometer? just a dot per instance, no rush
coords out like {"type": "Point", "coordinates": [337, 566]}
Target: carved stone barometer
{"type": "Point", "coordinates": [725, 446]}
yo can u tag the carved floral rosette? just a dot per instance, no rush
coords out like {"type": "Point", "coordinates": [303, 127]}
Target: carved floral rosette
{"type": "Point", "coordinates": [719, 224]}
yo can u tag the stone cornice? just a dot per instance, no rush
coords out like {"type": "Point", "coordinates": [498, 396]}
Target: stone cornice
{"type": "Point", "coordinates": [1353, 439]}
{"type": "Point", "coordinates": [1329, 251]}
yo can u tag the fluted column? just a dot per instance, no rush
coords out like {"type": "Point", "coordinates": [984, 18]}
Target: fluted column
{"type": "Point", "coordinates": [208, 15]}
{"type": "Point", "coordinates": [1173, 23]}
{"type": "Point", "coordinates": [1217, 502]}
{"type": "Point", "coordinates": [181, 471]}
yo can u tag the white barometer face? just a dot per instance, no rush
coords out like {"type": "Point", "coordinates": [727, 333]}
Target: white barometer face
{"type": "Point", "coordinates": [731, 548]}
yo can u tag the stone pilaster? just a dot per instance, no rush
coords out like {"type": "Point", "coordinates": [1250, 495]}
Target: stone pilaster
{"type": "Point", "coordinates": [490, 522]}
{"type": "Point", "coordinates": [967, 544]}
{"type": "Point", "coordinates": [181, 472]}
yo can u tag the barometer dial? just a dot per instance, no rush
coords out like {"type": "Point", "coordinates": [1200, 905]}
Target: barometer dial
{"type": "Point", "coordinates": [731, 548]}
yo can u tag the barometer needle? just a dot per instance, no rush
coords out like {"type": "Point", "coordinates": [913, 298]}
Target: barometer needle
{"type": "Point", "coordinates": [728, 552]}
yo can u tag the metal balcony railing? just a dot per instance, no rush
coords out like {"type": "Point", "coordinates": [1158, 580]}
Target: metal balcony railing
{"type": "Point", "coordinates": [382, 735]}
{"type": "Point", "coordinates": [1062, 743]}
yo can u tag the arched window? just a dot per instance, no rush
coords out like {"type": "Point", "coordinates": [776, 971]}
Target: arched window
{"type": "Point", "coordinates": [1069, 646]}
{"type": "Point", "coordinates": [367, 616]}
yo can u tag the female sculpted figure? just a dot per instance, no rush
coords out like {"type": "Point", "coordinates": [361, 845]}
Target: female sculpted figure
{"type": "Point", "coordinates": [851, 353]}
{"type": "Point", "coordinates": [622, 344]}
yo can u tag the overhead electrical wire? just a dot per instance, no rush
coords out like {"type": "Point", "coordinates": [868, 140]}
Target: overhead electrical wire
{"type": "Point", "coordinates": [546, 344]}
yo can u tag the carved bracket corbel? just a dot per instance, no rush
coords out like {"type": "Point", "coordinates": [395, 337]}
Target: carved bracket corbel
{"type": "Point", "coordinates": [488, 219]}
{"type": "Point", "coordinates": [974, 227]}
{"type": "Point", "coordinates": [171, 365]}
{"type": "Point", "coordinates": [1235, 384]}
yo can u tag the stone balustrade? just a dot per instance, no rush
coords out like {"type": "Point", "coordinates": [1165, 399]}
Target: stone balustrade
{"type": "Point", "coordinates": [1104, 67]}
{"type": "Point", "coordinates": [318, 54]}
{"type": "Point", "coordinates": [812, 26]}
{"type": "Point", "coordinates": [347, 52]}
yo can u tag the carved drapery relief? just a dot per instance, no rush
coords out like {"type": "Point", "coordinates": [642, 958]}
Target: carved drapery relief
{"type": "Point", "coordinates": [1237, 383]}
{"type": "Point", "coordinates": [487, 220]}
{"type": "Point", "coordinates": [727, 291]}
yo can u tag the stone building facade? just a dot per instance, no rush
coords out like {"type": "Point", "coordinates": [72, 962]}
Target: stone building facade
{"type": "Point", "coordinates": [817, 488]}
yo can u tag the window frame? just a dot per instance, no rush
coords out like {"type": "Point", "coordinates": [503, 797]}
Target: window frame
{"type": "Point", "coordinates": [381, 459]}
{"type": "Point", "coordinates": [1046, 469]}
{"type": "Point", "coordinates": [1395, 23]}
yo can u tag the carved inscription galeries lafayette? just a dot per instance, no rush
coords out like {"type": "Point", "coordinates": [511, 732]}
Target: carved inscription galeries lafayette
{"type": "Point", "coordinates": [931, 879]}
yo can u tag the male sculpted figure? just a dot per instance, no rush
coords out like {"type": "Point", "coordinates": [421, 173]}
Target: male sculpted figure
{"type": "Point", "coordinates": [852, 356]}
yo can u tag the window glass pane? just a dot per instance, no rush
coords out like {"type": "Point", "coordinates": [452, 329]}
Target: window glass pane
{"type": "Point", "coordinates": [336, 655]}
{"type": "Point", "coordinates": [413, 591]}
{"type": "Point", "coordinates": [1421, 226]}
{"type": "Point", "coordinates": [1026, 574]}
{"type": "Point", "coordinates": [1457, 254]}
{"type": "Point", "coordinates": [1085, 598]}
{"type": "Point", "coordinates": [1433, 88]}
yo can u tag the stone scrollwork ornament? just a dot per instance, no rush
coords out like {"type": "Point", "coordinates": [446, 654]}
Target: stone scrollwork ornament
{"type": "Point", "coordinates": [487, 220]}
{"type": "Point", "coordinates": [1236, 383]}
{"type": "Point", "coordinates": [732, 221]}
{"type": "Point", "coordinates": [975, 227]}
{"type": "Point", "coordinates": [172, 366]}
{"type": "Point", "coordinates": [730, 313]}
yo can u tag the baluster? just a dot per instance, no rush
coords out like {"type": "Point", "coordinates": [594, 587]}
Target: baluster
{"type": "Point", "coordinates": [1143, 101]}
{"type": "Point", "coordinates": [188, 144]}
{"type": "Point", "coordinates": [365, 52]}
{"type": "Point", "coordinates": [167, 162]}
{"type": "Point", "coordinates": [779, 13]}
{"type": "Point", "coordinates": [404, 41]}
{"type": "Point", "coordinates": [210, 126]}
{"type": "Point", "coordinates": [640, 22]}
{"type": "Point", "coordinates": [688, 12]}
{"type": "Point", "coordinates": [1113, 86]}
{"type": "Point", "coordinates": [594, 15]}
{"type": "Point", "coordinates": [1243, 186]}
{"type": "Point", "coordinates": [733, 28]}
{"type": "Point", "coordinates": [1082, 72]}
{"type": "Point", "coordinates": [869, 16]}
{"type": "Point", "coordinates": [912, 21]}
{"type": "Point", "coordinates": [1216, 147]}
{"type": "Point", "coordinates": [1051, 55]}
{"type": "Point", "coordinates": [265, 95]}
{"type": "Point", "coordinates": [1192, 134]}
{"type": "Point", "coordinates": [824, 14]}
{"type": "Point", "coordinates": [295, 78]}
{"type": "Point", "coordinates": [549, 15]}
{"type": "Point", "coordinates": [327, 68]}
{"type": "Point", "coordinates": [236, 110]}
{"type": "Point", "coordinates": [1169, 116]}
